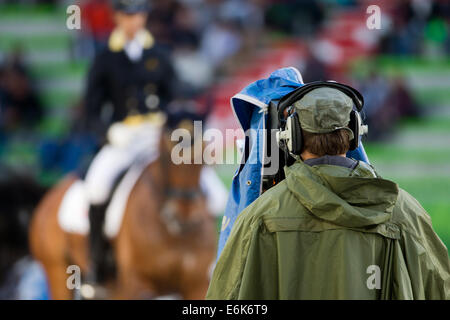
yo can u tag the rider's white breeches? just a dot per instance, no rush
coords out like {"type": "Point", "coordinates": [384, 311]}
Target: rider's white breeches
{"type": "Point", "coordinates": [104, 170]}
{"type": "Point", "coordinates": [127, 145]}
{"type": "Point", "coordinates": [119, 155]}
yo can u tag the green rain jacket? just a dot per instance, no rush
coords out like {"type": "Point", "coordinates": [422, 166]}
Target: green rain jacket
{"type": "Point", "coordinates": [331, 232]}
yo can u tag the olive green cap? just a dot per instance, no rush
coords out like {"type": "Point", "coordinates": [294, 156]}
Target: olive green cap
{"type": "Point", "coordinates": [324, 110]}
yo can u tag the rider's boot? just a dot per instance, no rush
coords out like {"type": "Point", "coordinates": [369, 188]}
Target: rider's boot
{"type": "Point", "coordinates": [98, 249]}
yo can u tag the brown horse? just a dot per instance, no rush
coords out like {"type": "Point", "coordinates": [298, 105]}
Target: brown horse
{"type": "Point", "coordinates": [166, 243]}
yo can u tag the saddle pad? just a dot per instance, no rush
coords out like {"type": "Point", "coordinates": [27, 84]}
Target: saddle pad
{"type": "Point", "coordinates": [74, 208]}
{"type": "Point", "coordinates": [117, 206]}
{"type": "Point", "coordinates": [73, 212]}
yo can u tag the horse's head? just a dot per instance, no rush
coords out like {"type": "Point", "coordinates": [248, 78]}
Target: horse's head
{"type": "Point", "coordinates": [181, 149]}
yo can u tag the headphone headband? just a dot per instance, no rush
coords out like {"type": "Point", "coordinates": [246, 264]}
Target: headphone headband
{"type": "Point", "coordinates": [299, 93]}
{"type": "Point", "coordinates": [290, 129]}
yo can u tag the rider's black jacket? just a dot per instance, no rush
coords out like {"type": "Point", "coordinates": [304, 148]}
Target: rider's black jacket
{"type": "Point", "coordinates": [130, 87]}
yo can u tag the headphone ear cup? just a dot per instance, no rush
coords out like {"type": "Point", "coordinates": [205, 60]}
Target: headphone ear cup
{"type": "Point", "coordinates": [283, 136]}
{"type": "Point", "coordinates": [296, 134]}
{"type": "Point", "coordinates": [354, 125]}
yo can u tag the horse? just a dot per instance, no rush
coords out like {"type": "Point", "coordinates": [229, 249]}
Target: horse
{"type": "Point", "coordinates": [166, 243]}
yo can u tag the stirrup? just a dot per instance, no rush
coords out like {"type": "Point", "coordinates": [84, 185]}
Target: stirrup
{"type": "Point", "coordinates": [90, 291]}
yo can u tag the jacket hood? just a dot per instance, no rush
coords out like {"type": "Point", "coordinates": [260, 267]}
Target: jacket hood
{"type": "Point", "coordinates": [346, 197]}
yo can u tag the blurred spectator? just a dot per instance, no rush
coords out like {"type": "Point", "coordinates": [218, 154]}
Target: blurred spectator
{"type": "Point", "coordinates": [97, 24]}
{"type": "Point", "coordinates": [436, 35]}
{"type": "Point", "coordinates": [220, 41]}
{"type": "Point", "coordinates": [386, 102]}
{"type": "Point", "coordinates": [161, 21]}
{"type": "Point", "coordinates": [245, 14]}
{"type": "Point", "coordinates": [97, 18]}
{"type": "Point", "coordinates": [207, 31]}
{"type": "Point", "coordinates": [315, 69]}
{"type": "Point", "coordinates": [190, 65]}
{"type": "Point", "coordinates": [375, 90]}
{"type": "Point", "coordinates": [298, 17]}
{"type": "Point", "coordinates": [19, 104]}
{"type": "Point", "coordinates": [72, 153]}
{"type": "Point", "coordinates": [401, 99]}
{"type": "Point", "coordinates": [419, 27]}
{"type": "Point", "coordinates": [192, 68]}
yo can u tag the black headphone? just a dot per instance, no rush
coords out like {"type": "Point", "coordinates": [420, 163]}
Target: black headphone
{"type": "Point", "coordinates": [290, 135]}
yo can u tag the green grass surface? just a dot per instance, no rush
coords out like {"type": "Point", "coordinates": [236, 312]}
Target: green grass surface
{"type": "Point", "coordinates": [50, 70]}
{"type": "Point", "coordinates": [39, 42]}
{"type": "Point", "coordinates": [429, 98]}
{"type": "Point", "coordinates": [395, 66]}
{"type": "Point", "coordinates": [435, 123]}
{"type": "Point", "coordinates": [433, 193]}
{"type": "Point", "coordinates": [390, 154]}
{"type": "Point", "coordinates": [30, 12]}
{"type": "Point", "coordinates": [59, 99]}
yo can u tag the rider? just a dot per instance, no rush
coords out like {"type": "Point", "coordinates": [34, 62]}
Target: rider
{"type": "Point", "coordinates": [135, 76]}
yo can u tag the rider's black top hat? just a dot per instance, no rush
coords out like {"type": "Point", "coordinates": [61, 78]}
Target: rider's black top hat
{"type": "Point", "coordinates": [131, 6]}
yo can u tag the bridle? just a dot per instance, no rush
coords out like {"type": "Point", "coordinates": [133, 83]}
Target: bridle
{"type": "Point", "coordinates": [183, 194]}
{"type": "Point", "coordinates": [174, 224]}
{"type": "Point", "coordinates": [177, 193]}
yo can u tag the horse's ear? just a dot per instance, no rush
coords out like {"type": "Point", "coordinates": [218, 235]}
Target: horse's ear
{"type": "Point", "coordinates": [191, 110]}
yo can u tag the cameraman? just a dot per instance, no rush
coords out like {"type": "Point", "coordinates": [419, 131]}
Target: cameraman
{"type": "Point", "coordinates": [333, 228]}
